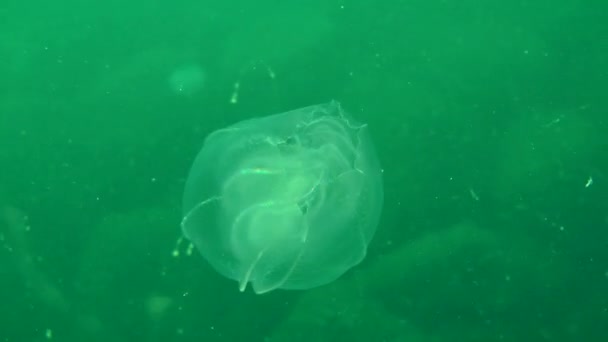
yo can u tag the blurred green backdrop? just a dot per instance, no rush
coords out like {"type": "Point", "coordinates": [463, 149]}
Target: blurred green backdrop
{"type": "Point", "coordinates": [489, 119]}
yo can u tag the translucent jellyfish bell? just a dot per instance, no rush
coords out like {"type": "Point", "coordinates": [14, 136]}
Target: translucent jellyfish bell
{"type": "Point", "coordinates": [287, 201]}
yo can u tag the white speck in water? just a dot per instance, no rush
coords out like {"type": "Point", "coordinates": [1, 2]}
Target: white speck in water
{"type": "Point", "coordinates": [187, 80]}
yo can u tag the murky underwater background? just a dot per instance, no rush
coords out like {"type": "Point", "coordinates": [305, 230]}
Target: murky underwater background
{"type": "Point", "coordinates": [489, 118]}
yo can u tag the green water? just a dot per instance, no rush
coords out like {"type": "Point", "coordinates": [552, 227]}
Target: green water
{"type": "Point", "coordinates": [489, 118]}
